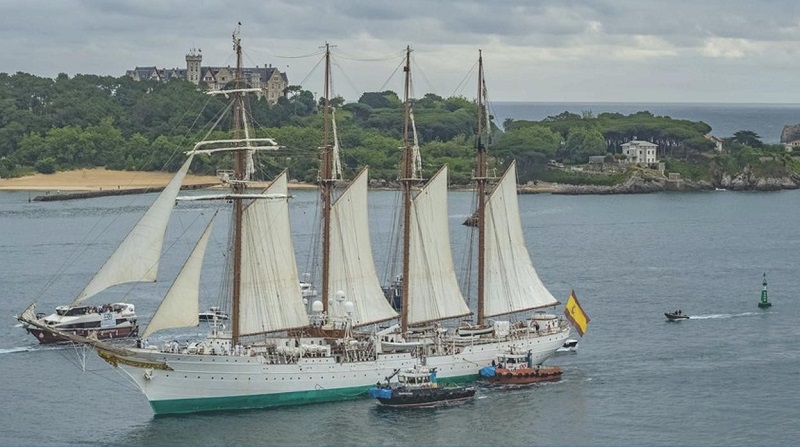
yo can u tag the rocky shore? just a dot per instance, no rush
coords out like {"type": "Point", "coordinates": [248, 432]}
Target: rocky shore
{"type": "Point", "coordinates": [639, 184]}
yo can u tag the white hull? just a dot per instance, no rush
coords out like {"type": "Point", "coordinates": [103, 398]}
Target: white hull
{"type": "Point", "coordinates": [215, 382]}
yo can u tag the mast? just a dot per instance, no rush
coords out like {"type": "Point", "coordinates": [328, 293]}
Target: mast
{"type": "Point", "coordinates": [238, 186]}
{"type": "Point", "coordinates": [480, 180]}
{"type": "Point", "coordinates": [326, 184]}
{"type": "Point", "coordinates": [406, 181]}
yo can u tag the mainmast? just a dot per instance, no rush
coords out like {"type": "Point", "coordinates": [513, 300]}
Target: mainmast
{"type": "Point", "coordinates": [406, 180]}
{"type": "Point", "coordinates": [326, 184]}
{"type": "Point", "coordinates": [238, 187]}
{"type": "Point", "coordinates": [480, 180]}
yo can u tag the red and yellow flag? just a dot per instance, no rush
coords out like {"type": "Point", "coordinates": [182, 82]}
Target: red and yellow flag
{"type": "Point", "coordinates": [575, 314]}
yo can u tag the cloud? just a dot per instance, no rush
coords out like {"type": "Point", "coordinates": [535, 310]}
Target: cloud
{"type": "Point", "coordinates": [614, 50]}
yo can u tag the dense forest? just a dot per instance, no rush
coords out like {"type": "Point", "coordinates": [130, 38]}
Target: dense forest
{"type": "Point", "coordinates": [86, 121]}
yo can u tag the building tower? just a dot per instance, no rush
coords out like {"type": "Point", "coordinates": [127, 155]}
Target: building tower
{"type": "Point", "coordinates": [193, 59]}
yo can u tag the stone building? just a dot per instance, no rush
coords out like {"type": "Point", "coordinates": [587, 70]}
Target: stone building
{"type": "Point", "coordinates": [271, 81]}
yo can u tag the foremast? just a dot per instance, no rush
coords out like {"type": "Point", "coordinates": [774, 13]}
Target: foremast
{"type": "Point", "coordinates": [238, 187]}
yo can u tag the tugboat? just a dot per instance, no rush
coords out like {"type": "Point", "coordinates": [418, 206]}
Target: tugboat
{"type": "Point", "coordinates": [513, 368]}
{"type": "Point", "coordinates": [417, 387]}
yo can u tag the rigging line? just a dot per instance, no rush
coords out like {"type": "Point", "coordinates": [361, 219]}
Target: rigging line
{"type": "Point", "coordinates": [346, 78]}
{"type": "Point", "coordinates": [340, 68]}
{"type": "Point", "coordinates": [312, 54]}
{"type": "Point", "coordinates": [81, 248]}
{"type": "Point", "coordinates": [391, 76]}
{"type": "Point", "coordinates": [166, 249]}
{"type": "Point", "coordinates": [78, 358]}
{"type": "Point", "coordinates": [315, 246]}
{"type": "Point", "coordinates": [418, 70]}
{"type": "Point", "coordinates": [313, 70]}
{"type": "Point", "coordinates": [177, 149]}
{"type": "Point", "coordinates": [462, 85]}
{"type": "Point", "coordinates": [220, 247]}
{"type": "Point", "coordinates": [390, 57]}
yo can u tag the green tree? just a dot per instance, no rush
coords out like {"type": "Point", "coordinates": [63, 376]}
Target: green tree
{"type": "Point", "coordinates": [531, 146]}
{"type": "Point", "coordinates": [748, 138]}
{"type": "Point", "coordinates": [46, 165]}
{"type": "Point", "coordinates": [381, 100]}
{"type": "Point", "coordinates": [582, 143]}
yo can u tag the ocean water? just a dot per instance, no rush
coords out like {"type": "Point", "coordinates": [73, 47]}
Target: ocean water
{"type": "Point", "coordinates": [728, 376]}
{"type": "Point", "coordinates": [767, 120]}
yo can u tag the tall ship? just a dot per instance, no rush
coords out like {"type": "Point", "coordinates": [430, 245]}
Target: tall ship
{"type": "Point", "coordinates": [272, 352]}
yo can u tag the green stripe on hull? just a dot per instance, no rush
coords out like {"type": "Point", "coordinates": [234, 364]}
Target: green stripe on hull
{"type": "Point", "coordinates": [179, 406]}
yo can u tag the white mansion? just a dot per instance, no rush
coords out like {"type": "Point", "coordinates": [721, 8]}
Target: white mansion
{"type": "Point", "coordinates": [640, 152]}
{"type": "Point", "coordinates": [271, 80]}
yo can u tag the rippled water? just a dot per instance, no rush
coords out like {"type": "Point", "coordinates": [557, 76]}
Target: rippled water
{"type": "Point", "coordinates": [727, 376]}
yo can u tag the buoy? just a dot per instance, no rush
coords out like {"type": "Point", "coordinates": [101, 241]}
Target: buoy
{"type": "Point", "coordinates": [764, 303]}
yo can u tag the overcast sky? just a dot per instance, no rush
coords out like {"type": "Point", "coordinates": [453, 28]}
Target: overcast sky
{"type": "Point", "coordinates": [559, 50]}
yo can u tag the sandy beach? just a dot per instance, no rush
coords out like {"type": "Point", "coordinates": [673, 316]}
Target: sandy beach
{"type": "Point", "coordinates": [100, 178]}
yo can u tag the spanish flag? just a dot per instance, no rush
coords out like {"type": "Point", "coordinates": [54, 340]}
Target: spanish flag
{"type": "Point", "coordinates": [575, 314]}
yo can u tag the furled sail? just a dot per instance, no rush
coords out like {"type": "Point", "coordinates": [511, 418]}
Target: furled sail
{"type": "Point", "coordinates": [136, 258]}
{"type": "Point", "coordinates": [433, 292]}
{"type": "Point", "coordinates": [270, 298]}
{"type": "Point", "coordinates": [181, 304]}
{"type": "Point", "coordinates": [352, 268]}
{"type": "Point", "coordinates": [512, 284]}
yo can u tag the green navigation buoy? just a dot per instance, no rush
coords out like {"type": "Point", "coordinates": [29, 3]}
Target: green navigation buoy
{"type": "Point", "coordinates": [764, 303]}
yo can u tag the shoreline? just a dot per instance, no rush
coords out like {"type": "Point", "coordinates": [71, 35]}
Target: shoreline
{"type": "Point", "coordinates": [99, 179]}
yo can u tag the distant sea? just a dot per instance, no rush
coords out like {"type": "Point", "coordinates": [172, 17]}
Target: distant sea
{"type": "Point", "coordinates": [767, 120]}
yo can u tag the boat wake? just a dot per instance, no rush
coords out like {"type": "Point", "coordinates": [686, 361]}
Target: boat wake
{"type": "Point", "coordinates": [19, 349]}
{"type": "Point", "coordinates": [721, 316]}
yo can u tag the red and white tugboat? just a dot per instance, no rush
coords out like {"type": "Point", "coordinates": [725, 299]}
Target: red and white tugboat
{"type": "Point", "coordinates": [514, 368]}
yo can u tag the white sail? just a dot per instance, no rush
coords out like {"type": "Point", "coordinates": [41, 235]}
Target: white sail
{"type": "Point", "coordinates": [512, 284]}
{"type": "Point", "coordinates": [337, 159]}
{"type": "Point", "coordinates": [352, 269]}
{"type": "Point", "coordinates": [181, 304]}
{"type": "Point", "coordinates": [270, 298]}
{"type": "Point", "coordinates": [433, 292]}
{"type": "Point", "coordinates": [416, 157]}
{"type": "Point", "coordinates": [136, 258]}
